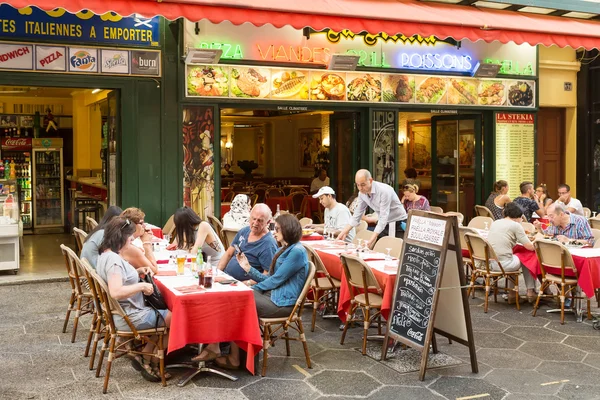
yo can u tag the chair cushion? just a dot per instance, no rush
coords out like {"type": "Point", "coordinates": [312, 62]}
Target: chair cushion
{"type": "Point", "coordinates": [324, 283]}
{"type": "Point", "coordinates": [375, 300]}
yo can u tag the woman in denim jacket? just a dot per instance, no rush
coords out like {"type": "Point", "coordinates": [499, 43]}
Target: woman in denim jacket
{"type": "Point", "coordinates": [276, 293]}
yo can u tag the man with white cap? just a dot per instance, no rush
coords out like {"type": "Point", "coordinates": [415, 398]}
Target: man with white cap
{"type": "Point", "coordinates": [337, 215]}
{"type": "Point", "coordinates": [384, 201]}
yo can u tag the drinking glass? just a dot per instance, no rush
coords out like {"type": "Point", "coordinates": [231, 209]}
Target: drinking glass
{"type": "Point", "coordinates": [181, 257]}
{"type": "Point", "coordinates": [167, 237]}
{"type": "Point", "coordinates": [594, 214]}
{"type": "Point", "coordinates": [486, 226]}
{"type": "Point", "coordinates": [388, 257]}
{"type": "Point", "coordinates": [359, 244]}
{"type": "Point", "coordinates": [193, 265]}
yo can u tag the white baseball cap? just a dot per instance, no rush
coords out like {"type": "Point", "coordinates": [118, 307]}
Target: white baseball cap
{"type": "Point", "coordinates": [322, 191]}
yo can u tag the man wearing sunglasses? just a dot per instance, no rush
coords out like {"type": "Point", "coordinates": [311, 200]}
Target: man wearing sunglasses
{"type": "Point", "coordinates": [384, 201]}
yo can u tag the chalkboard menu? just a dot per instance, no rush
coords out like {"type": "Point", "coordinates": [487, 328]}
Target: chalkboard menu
{"type": "Point", "coordinates": [414, 293]}
{"type": "Point", "coordinates": [430, 278]}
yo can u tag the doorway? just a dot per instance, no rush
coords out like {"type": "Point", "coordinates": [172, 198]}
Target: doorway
{"type": "Point", "coordinates": [345, 131]}
{"type": "Point", "coordinates": [550, 167]}
{"type": "Point", "coordinates": [456, 165]}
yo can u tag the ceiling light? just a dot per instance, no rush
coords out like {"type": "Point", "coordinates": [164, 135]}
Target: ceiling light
{"type": "Point", "coordinates": [536, 10]}
{"type": "Point", "coordinates": [96, 91]}
{"type": "Point", "coordinates": [490, 4]}
{"type": "Point", "coordinates": [203, 56]}
{"type": "Point", "coordinates": [582, 15]}
{"type": "Point", "coordinates": [343, 62]}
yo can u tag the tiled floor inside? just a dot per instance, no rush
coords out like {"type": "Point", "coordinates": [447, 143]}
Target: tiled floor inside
{"type": "Point", "coordinates": [520, 357]}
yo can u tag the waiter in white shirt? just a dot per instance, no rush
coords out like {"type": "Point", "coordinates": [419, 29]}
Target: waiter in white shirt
{"type": "Point", "coordinates": [384, 201]}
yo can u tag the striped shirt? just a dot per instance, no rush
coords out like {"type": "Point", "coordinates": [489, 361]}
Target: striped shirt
{"type": "Point", "coordinates": [577, 228]}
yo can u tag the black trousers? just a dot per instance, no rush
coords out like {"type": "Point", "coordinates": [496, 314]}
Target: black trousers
{"type": "Point", "coordinates": [267, 309]}
{"type": "Point", "coordinates": [399, 231]}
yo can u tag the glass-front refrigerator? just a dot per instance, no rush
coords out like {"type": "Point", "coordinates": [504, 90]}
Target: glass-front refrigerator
{"type": "Point", "coordinates": [48, 200]}
{"type": "Point", "coordinates": [17, 151]}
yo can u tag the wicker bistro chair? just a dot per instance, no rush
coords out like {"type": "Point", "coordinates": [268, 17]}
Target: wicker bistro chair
{"type": "Point", "coordinates": [482, 253]}
{"type": "Point", "coordinates": [483, 211]}
{"type": "Point", "coordinates": [596, 233]}
{"type": "Point", "coordinates": [98, 327]}
{"type": "Point", "coordinates": [325, 288]}
{"type": "Point", "coordinates": [305, 221]}
{"type": "Point", "coordinates": [462, 230]}
{"type": "Point", "coordinates": [119, 343]}
{"type": "Point", "coordinates": [389, 242]}
{"type": "Point", "coordinates": [362, 235]}
{"type": "Point", "coordinates": [90, 223]}
{"type": "Point", "coordinates": [229, 196]}
{"type": "Point", "coordinates": [555, 255]}
{"type": "Point", "coordinates": [218, 227]}
{"type": "Point", "coordinates": [480, 222]}
{"type": "Point", "coordinates": [362, 226]}
{"type": "Point", "coordinates": [587, 212]}
{"type": "Point", "coordinates": [437, 210]}
{"type": "Point", "coordinates": [298, 190]}
{"type": "Point", "coordinates": [81, 301]}
{"type": "Point", "coordinates": [528, 227]}
{"type": "Point", "coordinates": [169, 228]}
{"type": "Point", "coordinates": [271, 326]}
{"type": "Point", "coordinates": [228, 235]}
{"type": "Point", "coordinates": [80, 237]}
{"type": "Point", "coordinates": [274, 192]}
{"type": "Point", "coordinates": [365, 293]}
{"type": "Point", "coordinates": [594, 222]}
{"type": "Point", "coordinates": [296, 199]}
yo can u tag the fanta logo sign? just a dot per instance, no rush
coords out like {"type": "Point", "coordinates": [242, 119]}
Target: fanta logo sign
{"type": "Point", "coordinates": [83, 60]}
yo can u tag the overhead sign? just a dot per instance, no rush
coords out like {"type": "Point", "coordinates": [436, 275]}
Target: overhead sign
{"type": "Point", "coordinates": [16, 56]}
{"type": "Point", "coordinates": [84, 27]}
{"type": "Point", "coordinates": [287, 44]}
{"type": "Point", "coordinates": [78, 60]}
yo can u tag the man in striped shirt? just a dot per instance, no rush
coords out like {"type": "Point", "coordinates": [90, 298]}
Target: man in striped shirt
{"type": "Point", "coordinates": [567, 226]}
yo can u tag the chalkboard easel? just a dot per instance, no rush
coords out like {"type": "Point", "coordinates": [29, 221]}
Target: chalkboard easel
{"type": "Point", "coordinates": [430, 295]}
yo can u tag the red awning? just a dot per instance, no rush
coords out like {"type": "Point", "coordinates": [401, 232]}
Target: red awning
{"type": "Point", "coordinates": [408, 17]}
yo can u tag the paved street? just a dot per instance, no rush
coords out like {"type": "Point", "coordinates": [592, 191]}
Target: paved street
{"type": "Point", "coordinates": [520, 357]}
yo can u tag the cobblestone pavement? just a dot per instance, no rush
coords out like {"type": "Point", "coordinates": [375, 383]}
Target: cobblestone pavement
{"type": "Point", "coordinates": [520, 357]}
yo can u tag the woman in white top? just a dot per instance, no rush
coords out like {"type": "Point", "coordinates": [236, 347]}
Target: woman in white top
{"type": "Point", "coordinates": [239, 214]}
{"type": "Point", "coordinates": [193, 233]}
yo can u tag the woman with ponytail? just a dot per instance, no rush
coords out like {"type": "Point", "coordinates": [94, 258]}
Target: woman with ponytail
{"type": "Point", "coordinates": [498, 198]}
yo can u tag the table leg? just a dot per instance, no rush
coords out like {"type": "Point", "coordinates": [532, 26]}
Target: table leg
{"type": "Point", "coordinates": [197, 369]}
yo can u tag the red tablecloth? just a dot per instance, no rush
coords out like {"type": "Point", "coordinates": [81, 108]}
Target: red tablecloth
{"type": "Point", "coordinates": [157, 232]}
{"type": "Point", "coordinates": [213, 317]}
{"type": "Point", "coordinates": [310, 205]}
{"type": "Point", "coordinates": [285, 203]}
{"type": "Point", "coordinates": [333, 264]}
{"type": "Point", "coordinates": [588, 269]}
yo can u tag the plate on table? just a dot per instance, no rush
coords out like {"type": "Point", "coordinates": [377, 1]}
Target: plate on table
{"type": "Point", "coordinates": [307, 231]}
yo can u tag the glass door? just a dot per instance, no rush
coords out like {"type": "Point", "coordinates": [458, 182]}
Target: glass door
{"type": "Point", "coordinates": [47, 175]}
{"type": "Point", "coordinates": [456, 168]}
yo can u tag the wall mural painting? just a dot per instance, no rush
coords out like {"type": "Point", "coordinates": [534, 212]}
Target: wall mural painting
{"type": "Point", "coordinates": [420, 146]}
{"type": "Point", "coordinates": [384, 145]}
{"type": "Point", "coordinates": [310, 146]}
{"type": "Point", "coordinates": [198, 160]}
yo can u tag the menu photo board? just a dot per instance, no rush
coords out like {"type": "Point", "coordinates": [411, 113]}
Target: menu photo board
{"type": "Point", "coordinates": [515, 149]}
{"type": "Point", "coordinates": [430, 294]}
{"type": "Point", "coordinates": [324, 85]}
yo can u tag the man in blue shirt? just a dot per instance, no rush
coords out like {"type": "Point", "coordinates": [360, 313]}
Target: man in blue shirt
{"type": "Point", "coordinates": [255, 241]}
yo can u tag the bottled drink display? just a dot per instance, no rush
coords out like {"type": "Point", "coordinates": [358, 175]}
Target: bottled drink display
{"type": "Point", "coordinates": [48, 196]}
{"type": "Point", "coordinates": [16, 165]}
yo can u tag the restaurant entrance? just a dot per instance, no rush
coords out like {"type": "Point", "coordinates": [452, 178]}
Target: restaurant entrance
{"type": "Point", "coordinates": [456, 167]}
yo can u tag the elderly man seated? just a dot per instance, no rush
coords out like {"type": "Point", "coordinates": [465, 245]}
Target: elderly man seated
{"type": "Point", "coordinates": [255, 241]}
{"type": "Point", "coordinates": [566, 226]}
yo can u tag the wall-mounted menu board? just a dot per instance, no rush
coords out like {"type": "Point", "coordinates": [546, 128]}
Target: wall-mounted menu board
{"type": "Point", "coordinates": [245, 82]}
{"type": "Point", "coordinates": [430, 293]}
{"type": "Point", "coordinates": [515, 150]}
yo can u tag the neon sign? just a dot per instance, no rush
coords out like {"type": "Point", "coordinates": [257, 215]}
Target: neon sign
{"type": "Point", "coordinates": [510, 67]}
{"type": "Point", "coordinates": [230, 51]}
{"type": "Point", "coordinates": [435, 61]}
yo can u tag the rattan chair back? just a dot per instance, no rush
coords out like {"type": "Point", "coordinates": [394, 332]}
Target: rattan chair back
{"type": "Point", "coordinates": [389, 242]}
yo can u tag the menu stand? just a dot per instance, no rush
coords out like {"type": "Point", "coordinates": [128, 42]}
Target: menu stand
{"type": "Point", "coordinates": [197, 369]}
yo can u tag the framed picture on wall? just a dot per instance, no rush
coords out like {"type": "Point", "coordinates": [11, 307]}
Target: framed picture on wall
{"type": "Point", "coordinates": [419, 152]}
{"type": "Point", "coordinates": [310, 145]}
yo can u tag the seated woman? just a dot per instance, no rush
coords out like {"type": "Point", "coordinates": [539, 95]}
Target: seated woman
{"type": "Point", "coordinates": [193, 233]}
{"type": "Point", "coordinates": [124, 286]}
{"type": "Point", "coordinates": [94, 239]}
{"type": "Point", "coordinates": [412, 201]}
{"type": "Point", "coordinates": [503, 235]}
{"type": "Point", "coordinates": [239, 214]}
{"type": "Point", "coordinates": [139, 252]}
{"type": "Point", "coordinates": [275, 294]}
{"type": "Point", "coordinates": [498, 198]}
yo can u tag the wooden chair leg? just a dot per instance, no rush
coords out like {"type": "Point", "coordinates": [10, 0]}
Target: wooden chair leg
{"type": "Point", "coordinates": [304, 344]}
{"type": "Point", "coordinates": [589, 312]}
{"type": "Point", "coordinates": [516, 289]}
{"type": "Point", "coordinates": [161, 358]}
{"type": "Point", "coordinates": [287, 340]}
{"type": "Point", "coordinates": [487, 294]}
{"type": "Point", "coordinates": [562, 304]}
{"type": "Point", "coordinates": [266, 344]}
{"type": "Point", "coordinates": [314, 313]}
{"type": "Point", "coordinates": [111, 356]}
{"type": "Point", "coordinates": [539, 296]}
{"type": "Point", "coordinates": [366, 324]}
{"type": "Point", "coordinates": [348, 320]}
{"type": "Point", "coordinates": [69, 308]}
{"type": "Point", "coordinates": [90, 335]}
{"type": "Point", "coordinates": [105, 345]}
{"type": "Point", "coordinates": [76, 322]}
{"type": "Point", "coordinates": [597, 292]}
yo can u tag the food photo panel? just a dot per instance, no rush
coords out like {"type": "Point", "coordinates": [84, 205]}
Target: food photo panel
{"type": "Point", "coordinates": [289, 84]}
{"type": "Point", "coordinates": [491, 92]}
{"type": "Point", "coordinates": [462, 91]}
{"type": "Point", "coordinates": [431, 90]}
{"type": "Point", "coordinates": [521, 93]}
{"type": "Point", "coordinates": [363, 87]}
{"type": "Point", "coordinates": [249, 82]}
{"type": "Point", "coordinates": [207, 81]}
{"type": "Point", "coordinates": [398, 88]}
{"type": "Point", "coordinates": [325, 85]}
